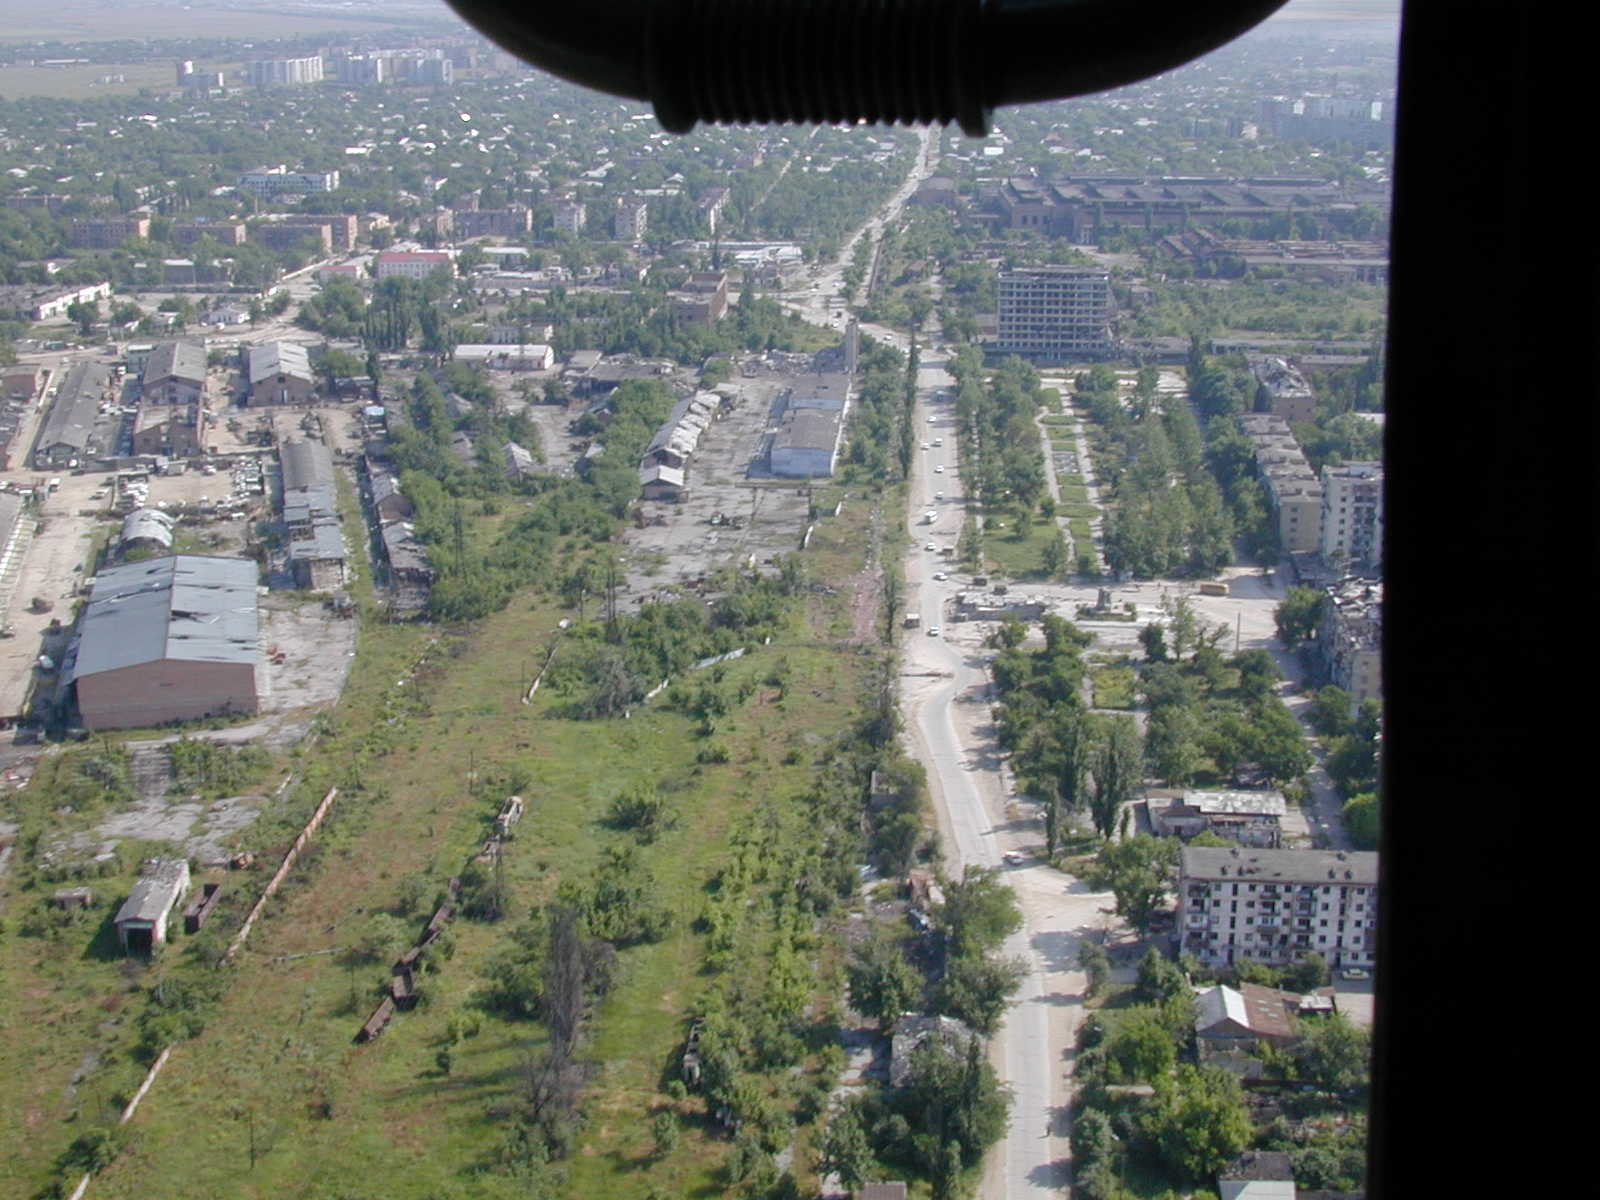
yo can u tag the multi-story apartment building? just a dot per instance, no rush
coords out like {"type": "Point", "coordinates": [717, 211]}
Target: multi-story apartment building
{"type": "Point", "coordinates": [703, 299]}
{"type": "Point", "coordinates": [1276, 906]}
{"type": "Point", "coordinates": [512, 221]}
{"type": "Point", "coordinates": [1352, 515]}
{"type": "Point", "coordinates": [1292, 488]}
{"type": "Point", "coordinates": [413, 264]}
{"type": "Point", "coordinates": [569, 216]}
{"type": "Point", "coordinates": [224, 233]}
{"type": "Point", "coordinates": [1349, 638]}
{"type": "Point", "coordinates": [290, 235]}
{"type": "Point", "coordinates": [343, 228]}
{"type": "Point", "coordinates": [629, 224]}
{"type": "Point", "coordinates": [284, 72]}
{"type": "Point", "coordinates": [273, 181]}
{"type": "Point", "coordinates": [1281, 389]}
{"type": "Point", "coordinates": [711, 204]}
{"type": "Point", "coordinates": [1054, 314]}
{"type": "Point", "coordinates": [108, 234]}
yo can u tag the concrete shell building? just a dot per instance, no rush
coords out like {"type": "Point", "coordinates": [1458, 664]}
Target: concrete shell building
{"type": "Point", "coordinates": [170, 639]}
{"type": "Point", "coordinates": [1055, 314]}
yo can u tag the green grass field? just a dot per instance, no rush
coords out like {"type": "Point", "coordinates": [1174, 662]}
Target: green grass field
{"type": "Point", "coordinates": [275, 1065]}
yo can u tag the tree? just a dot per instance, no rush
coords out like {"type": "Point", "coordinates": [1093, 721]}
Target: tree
{"type": "Point", "coordinates": [1306, 974]}
{"type": "Point", "coordinates": [1118, 768]}
{"type": "Point", "coordinates": [1335, 1055]}
{"type": "Point", "coordinates": [1278, 746]}
{"type": "Point", "coordinates": [1298, 614]}
{"type": "Point", "coordinates": [847, 1152]}
{"type": "Point", "coordinates": [1153, 638]}
{"type": "Point", "coordinates": [1172, 743]}
{"type": "Point", "coordinates": [1332, 712]}
{"type": "Point", "coordinates": [1138, 871]}
{"type": "Point", "coordinates": [1141, 1050]}
{"type": "Point", "coordinates": [1160, 978]}
{"type": "Point", "coordinates": [977, 989]}
{"type": "Point", "coordinates": [883, 983]}
{"type": "Point", "coordinates": [664, 1132]}
{"type": "Point", "coordinates": [1362, 820]}
{"type": "Point", "coordinates": [951, 1097]}
{"type": "Point", "coordinates": [979, 912]}
{"type": "Point", "coordinates": [1095, 964]}
{"type": "Point", "coordinates": [1198, 1120]}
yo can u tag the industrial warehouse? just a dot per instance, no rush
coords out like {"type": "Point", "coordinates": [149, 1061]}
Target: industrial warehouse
{"type": "Point", "coordinates": [810, 425]}
{"type": "Point", "coordinates": [169, 639]}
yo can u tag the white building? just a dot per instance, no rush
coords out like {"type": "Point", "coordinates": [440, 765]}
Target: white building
{"type": "Point", "coordinates": [506, 358]}
{"type": "Point", "coordinates": [270, 181]}
{"type": "Point", "coordinates": [1352, 515]}
{"type": "Point", "coordinates": [632, 215]}
{"type": "Point", "coordinates": [285, 72]}
{"type": "Point", "coordinates": [570, 216]}
{"type": "Point", "coordinates": [54, 303]}
{"type": "Point", "coordinates": [1276, 906]}
{"type": "Point", "coordinates": [413, 264]}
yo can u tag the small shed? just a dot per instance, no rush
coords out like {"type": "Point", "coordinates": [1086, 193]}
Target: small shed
{"type": "Point", "coordinates": [142, 920]}
{"type": "Point", "coordinates": [73, 897]}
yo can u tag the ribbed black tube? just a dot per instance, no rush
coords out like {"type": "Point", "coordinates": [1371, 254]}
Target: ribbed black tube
{"type": "Point", "coordinates": [830, 61]}
{"type": "Point", "coordinates": [826, 61]}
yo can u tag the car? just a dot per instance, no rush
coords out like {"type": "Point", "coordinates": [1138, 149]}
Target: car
{"type": "Point", "coordinates": [924, 445]}
{"type": "Point", "coordinates": [1355, 973]}
{"type": "Point", "coordinates": [939, 470]}
{"type": "Point", "coordinates": [931, 546]}
{"type": "Point", "coordinates": [940, 576]}
{"type": "Point", "coordinates": [933, 631]}
{"type": "Point", "coordinates": [938, 495]}
{"type": "Point", "coordinates": [1012, 857]}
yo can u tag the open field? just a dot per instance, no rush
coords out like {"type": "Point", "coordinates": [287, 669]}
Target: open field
{"type": "Point", "coordinates": [80, 82]}
{"type": "Point", "coordinates": [84, 21]}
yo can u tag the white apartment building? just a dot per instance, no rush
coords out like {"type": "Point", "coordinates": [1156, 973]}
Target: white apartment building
{"type": "Point", "coordinates": [285, 72]}
{"type": "Point", "coordinates": [1352, 515]}
{"type": "Point", "coordinates": [569, 216]}
{"type": "Point", "coordinates": [630, 220]}
{"type": "Point", "coordinates": [270, 181]}
{"type": "Point", "coordinates": [1276, 906]}
{"type": "Point", "coordinates": [413, 264]}
{"type": "Point", "coordinates": [1055, 314]}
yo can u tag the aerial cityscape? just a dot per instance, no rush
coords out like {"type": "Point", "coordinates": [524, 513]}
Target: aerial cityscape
{"type": "Point", "coordinates": [543, 657]}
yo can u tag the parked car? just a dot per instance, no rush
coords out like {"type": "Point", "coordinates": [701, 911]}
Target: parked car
{"type": "Point", "coordinates": [933, 631]}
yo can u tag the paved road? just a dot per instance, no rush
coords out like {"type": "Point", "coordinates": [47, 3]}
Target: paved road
{"type": "Point", "coordinates": [948, 697]}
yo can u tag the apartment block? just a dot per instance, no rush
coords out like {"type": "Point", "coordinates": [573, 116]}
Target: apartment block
{"type": "Point", "coordinates": [1352, 515]}
{"type": "Point", "coordinates": [1292, 488]}
{"type": "Point", "coordinates": [703, 299]}
{"type": "Point", "coordinates": [1276, 906]}
{"type": "Point", "coordinates": [1281, 389]}
{"type": "Point", "coordinates": [512, 221]}
{"type": "Point", "coordinates": [273, 181]}
{"type": "Point", "coordinates": [108, 234]}
{"type": "Point", "coordinates": [284, 72]}
{"type": "Point", "coordinates": [570, 216]}
{"type": "Point", "coordinates": [224, 233]}
{"type": "Point", "coordinates": [291, 235]}
{"type": "Point", "coordinates": [1055, 314]}
{"type": "Point", "coordinates": [1350, 638]}
{"type": "Point", "coordinates": [343, 228]}
{"type": "Point", "coordinates": [629, 224]}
